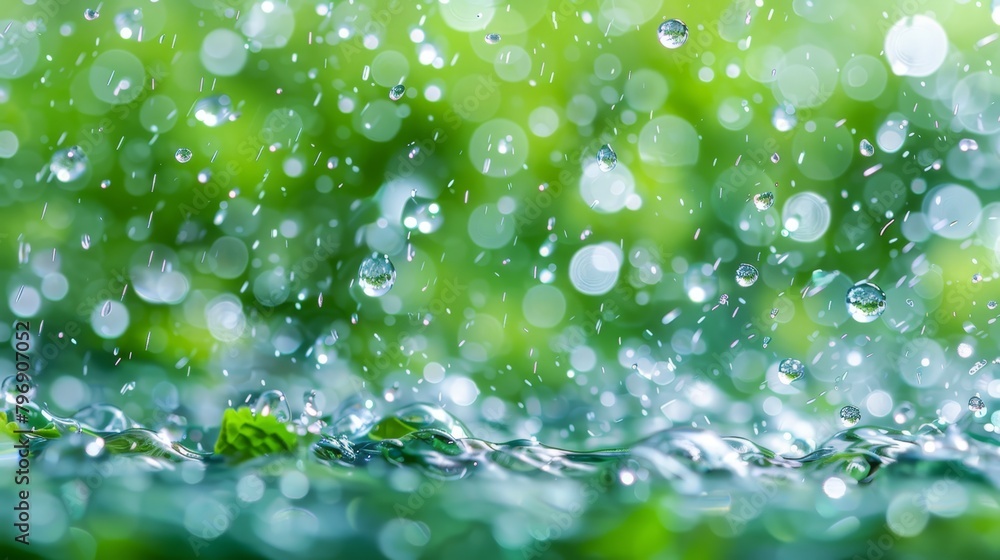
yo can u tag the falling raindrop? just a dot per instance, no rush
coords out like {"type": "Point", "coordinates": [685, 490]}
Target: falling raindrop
{"type": "Point", "coordinates": [850, 416]}
{"type": "Point", "coordinates": [867, 149]}
{"type": "Point", "coordinates": [396, 92]}
{"type": "Point", "coordinates": [183, 155]}
{"type": "Point", "coordinates": [775, 158]}
{"type": "Point", "coordinates": [91, 14]}
{"type": "Point", "coordinates": [68, 164]}
{"type": "Point", "coordinates": [376, 275]}
{"type": "Point", "coordinates": [607, 159]}
{"type": "Point", "coordinates": [129, 24]}
{"type": "Point", "coordinates": [493, 38]}
{"type": "Point", "coordinates": [865, 302]}
{"type": "Point", "coordinates": [673, 33]}
{"type": "Point", "coordinates": [85, 242]}
{"type": "Point", "coordinates": [746, 275]}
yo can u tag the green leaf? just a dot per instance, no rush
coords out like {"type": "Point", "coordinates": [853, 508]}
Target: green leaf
{"type": "Point", "coordinates": [245, 436]}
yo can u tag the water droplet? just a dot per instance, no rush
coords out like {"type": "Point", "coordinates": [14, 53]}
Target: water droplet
{"type": "Point", "coordinates": [767, 340]}
{"type": "Point", "coordinates": [790, 370]}
{"type": "Point", "coordinates": [272, 403]}
{"type": "Point", "coordinates": [91, 14]}
{"type": "Point", "coordinates": [492, 38]}
{"type": "Point", "coordinates": [775, 158]}
{"type": "Point", "coordinates": [673, 33]}
{"type": "Point", "coordinates": [376, 275]}
{"type": "Point", "coordinates": [977, 366]}
{"type": "Point", "coordinates": [746, 275]}
{"type": "Point", "coordinates": [105, 183]}
{"type": "Point", "coordinates": [128, 387]}
{"type": "Point", "coordinates": [310, 408]}
{"type": "Point", "coordinates": [421, 214]}
{"type": "Point", "coordinates": [850, 416]}
{"type": "Point", "coordinates": [865, 302]}
{"type": "Point", "coordinates": [183, 155]}
{"type": "Point", "coordinates": [724, 299]}
{"type": "Point", "coordinates": [867, 149]}
{"type": "Point", "coordinates": [977, 278]}
{"type": "Point", "coordinates": [85, 241]}
{"type": "Point", "coordinates": [68, 164]}
{"type": "Point", "coordinates": [968, 145]}
{"type": "Point", "coordinates": [106, 310]}
{"type": "Point", "coordinates": [396, 92]}
{"type": "Point", "coordinates": [607, 159]}
{"type": "Point", "coordinates": [992, 304]}
{"type": "Point", "coordinates": [129, 23]}
{"type": "Point", "coordinates": [215, 110]}
{"type": "Point", "coordinates": [763, 200]}
{"type": "Point", "coordinates": [977, 406]}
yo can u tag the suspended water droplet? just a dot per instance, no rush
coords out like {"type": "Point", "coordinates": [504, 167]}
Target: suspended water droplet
{"type": "Point", "coordinates": [421, 214]}
{"type": "Point", "coordinates": [106, 309]}
{"type": "Point", "coordinates": [968, 145]}
{"type": "Point", "coordinates": [272, 403]}
{"type": "Point", "coordinates": [850, 416]}
{"type": "Point", "coordinates": [867, 149]}
{"type": "Point", "coordinates": [376, 275]}
{"type": "Point", "coordinates": [673, 33]}
{"type": "Point", "coordinates": [977, 406]}
{"type": "Point", "coordinates": [775, 158]}
{"type": "Point", "coordinates": [492, 38]}
{"type": "Point", "coordinates": [68, 164]}
{"type": "Point", "coordinates": [977, 278]}
{"type": "Point", "coordinates": [128, 387]}
{"type": "Point", "coordinates": [310, 408]}
{"type": "Point", "coordinates": [865, 302]}
{"type": "Point", "coordinates": [977, 366]}
{"type": "Point", "coordinates": [105, 183]}
{"type": "Point", "coordinates": [332, 162]}
{"type": "Point", "coordinates": [91, 14]}
{"type": "Point", "coordinates": [992, 304]}
{"type": "Point", "coordinates": [85, 241]}
{"type": "Point", "coordinates": [763, 200]}
{"type": "Point", "coordinates": [607, 159]}
{"type": "Point", "coordinates": [746, 275]}
{"type": "Point", "coordinates": [215, 110]}
{"type": "Point", "coordinates": [396, 92]}
{"type": "Point", "coordinates": [183, 155]}
{"type": "Point", "coordinates": [790, 370]}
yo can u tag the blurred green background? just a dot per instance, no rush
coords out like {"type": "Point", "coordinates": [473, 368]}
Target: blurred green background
{"type": "Point", "coordinates": [581, 308]}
